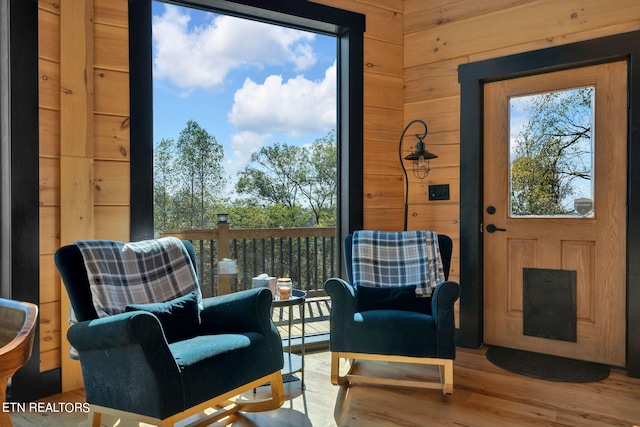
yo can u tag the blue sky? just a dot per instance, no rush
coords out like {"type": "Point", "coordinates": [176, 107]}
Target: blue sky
{"type": "Point", "coordinates": [519, 116]}
{"type": "Point", "coordinates": [247, 83]}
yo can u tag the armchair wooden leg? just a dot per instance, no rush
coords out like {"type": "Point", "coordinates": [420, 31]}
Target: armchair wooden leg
{"type": "Point", "coordinates": [336, 378]}
{"type": "Point", "coordinates": [274, 402]}
{"type": "Point", "coordinates": [277, 391]}
{"type": "Point", "coordinates": [446, 377]}
{"type": "Point", "coordinates": [227, 404]}
{"type": "Point", "coordinates": [445, 367]}
{"type": "Point", "coordinates": [95, 418]}
{"type": "Point", "coordinates": [335, 367]}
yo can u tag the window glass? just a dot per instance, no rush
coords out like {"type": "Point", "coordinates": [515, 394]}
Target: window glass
{"type": "Point", "coordinates": [551, 153]}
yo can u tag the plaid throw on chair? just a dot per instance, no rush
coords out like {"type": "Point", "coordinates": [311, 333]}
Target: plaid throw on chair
{"type": "Point", "coordinates": [396, 259]}
{"type": "Point", "coordinates": [137, 273]}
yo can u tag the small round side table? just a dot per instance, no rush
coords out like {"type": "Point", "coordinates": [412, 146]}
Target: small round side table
{"type": "Point", "coordinates": [292, 362]}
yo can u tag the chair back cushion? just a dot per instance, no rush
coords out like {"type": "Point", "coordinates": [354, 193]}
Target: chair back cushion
{"type": "Point", "coordinates": [180, 317]}
{"type": "Point", "coordinates": [71, 265]}
{"type": "Point", "coordinates": [137, 273]}
{"type": "Point", "coordinates": [387, 298]}
{"type": "Point", "coordinates": [391, 259]}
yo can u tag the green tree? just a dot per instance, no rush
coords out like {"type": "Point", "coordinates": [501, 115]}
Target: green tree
{"type": "Point", "coordinates": [271, 175]}
{"type": "Point", "coordinates": [188, 180]}
{"type": "Point", "coordinates": [552, 153]}
{"type": "Point", "coordinates": [200, 168]}
{"type": "Point", "coordinates": [318, 180]}
{"type": "Point", "coordinates": [246, 215]}
{"type": "Point", "coordinates": [163, 182]}
{"type": "Point", "coordinates": [298, 178]}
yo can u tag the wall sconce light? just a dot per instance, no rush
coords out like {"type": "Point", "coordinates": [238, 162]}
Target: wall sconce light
{"type": "Point", "coordinates": [419, 162]}
{"type": "Point", "coordinates": [223, 217]}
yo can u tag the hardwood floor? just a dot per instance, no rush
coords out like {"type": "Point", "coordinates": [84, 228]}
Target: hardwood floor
{"type": "Point", "coordinates": [484, 395]}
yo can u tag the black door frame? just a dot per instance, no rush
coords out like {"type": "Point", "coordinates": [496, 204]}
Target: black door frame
{"type": "Point", "coordinates": [347, 27]}
{"type": "Point", "coordinates": [472, 78]}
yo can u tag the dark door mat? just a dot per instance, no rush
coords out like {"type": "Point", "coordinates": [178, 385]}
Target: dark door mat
{"type": "Point", "coordinates": [546, 367]}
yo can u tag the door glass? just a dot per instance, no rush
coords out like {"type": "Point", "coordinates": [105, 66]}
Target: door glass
{"type": "Point", "coordinates": [551, 153]}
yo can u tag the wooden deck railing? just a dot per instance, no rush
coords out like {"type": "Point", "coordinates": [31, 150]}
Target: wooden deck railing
{"type": "Point", "coordinates": [307, 255]}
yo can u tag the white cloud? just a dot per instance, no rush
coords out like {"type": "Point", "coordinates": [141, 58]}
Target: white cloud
{"type": "Point", "coordinates": [294, 107]}
{"type": "Point", "coordinates": [243, 144]}
{"type": "Point", "coordinates": [201, 57]}
{"type": "Point", "coordinates": [246, 143]}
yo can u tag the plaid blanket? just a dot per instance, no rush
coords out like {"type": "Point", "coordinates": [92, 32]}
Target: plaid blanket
{"type": "Point", "coordinates": [382, 259]}
{"type": "Point", "coordinates": [137, 273]}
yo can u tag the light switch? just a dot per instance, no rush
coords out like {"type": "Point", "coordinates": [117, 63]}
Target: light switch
{"type": "Point", "coordinates": [439, 192]}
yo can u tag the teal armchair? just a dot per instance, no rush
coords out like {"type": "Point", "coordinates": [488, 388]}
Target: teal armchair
{"type": "Point", "coordinates": [391, 324]}
{"type": "Point", "coordinates": [155, 364]}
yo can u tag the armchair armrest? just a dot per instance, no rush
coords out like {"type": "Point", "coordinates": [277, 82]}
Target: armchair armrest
{"type": "Point", "coordinates": [244, 311]}
{"type": "Point", "coordinates": [111, 332]}
{"type": "Point", "coordinates": [343, 307]}
{"type": "Point", "coordinates": [343, 298]}
{"type": "Point", "coordinates": [442, 301]}
{"type": "Point", "coordinates": [125, 360]}
{"type": "Point", "coordinates": [443, 298]}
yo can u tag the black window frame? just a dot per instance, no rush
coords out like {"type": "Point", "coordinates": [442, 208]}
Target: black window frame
{"type": "Point", "coordinates": [347, 27]}
{"type": "Point", "coordinates": [19, 181]}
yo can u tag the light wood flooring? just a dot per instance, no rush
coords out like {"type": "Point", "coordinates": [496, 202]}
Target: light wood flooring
{"type": "Point", "coordinates": [484, 395]}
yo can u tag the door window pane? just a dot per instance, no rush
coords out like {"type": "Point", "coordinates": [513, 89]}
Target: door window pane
{"type": "Point", "coordinates": [551, 153]}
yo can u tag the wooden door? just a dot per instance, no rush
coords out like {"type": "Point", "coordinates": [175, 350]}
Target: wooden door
{"type": "Point", "coordinates": [591, 243]}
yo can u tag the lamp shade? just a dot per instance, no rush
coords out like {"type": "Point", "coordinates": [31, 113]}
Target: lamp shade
{"type": "Point", "coordinates": [421, 153]}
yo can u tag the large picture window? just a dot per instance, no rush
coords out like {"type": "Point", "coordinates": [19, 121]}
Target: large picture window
{"type": "Point", "coordinates": [346, 27]}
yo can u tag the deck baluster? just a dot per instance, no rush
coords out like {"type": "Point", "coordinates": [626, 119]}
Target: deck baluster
{"type": "Point", "coordinates": [308, 255]}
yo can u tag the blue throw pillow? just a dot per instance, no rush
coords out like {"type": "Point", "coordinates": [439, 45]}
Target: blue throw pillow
{"type": "Point", "coordinates": [386, 298]}
{"type": "Point", "coordinates": [180, 317]}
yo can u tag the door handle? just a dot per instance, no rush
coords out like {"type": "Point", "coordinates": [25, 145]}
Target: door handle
{"type": "Point", "coordinates": [491, 228]}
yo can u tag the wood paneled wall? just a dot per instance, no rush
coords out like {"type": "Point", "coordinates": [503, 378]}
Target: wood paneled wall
{"type": "Point", "coordinates": [412, 51]}
{"type": "Point", "coordinates": [84, 147]}
{"type": "Point", "coordinates": [49, 106]}
{"type": "Point", "coordinates": [395, 95]}
{"type": "Point", "coordinates": [383, 109]}
{"type": "Point", "coordinates": [439, 35]}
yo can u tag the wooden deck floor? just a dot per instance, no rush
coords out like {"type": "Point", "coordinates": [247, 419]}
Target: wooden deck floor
{"type": "Point", "coordinates": [316, 313]}
{"type": "Point", "coordinates": [484, 396]}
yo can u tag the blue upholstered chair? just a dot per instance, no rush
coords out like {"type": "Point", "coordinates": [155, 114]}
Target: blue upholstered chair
{"type": "Point", "coordinates": [391, 324]}
{"type": "Point", "coordinates": [137, 365]}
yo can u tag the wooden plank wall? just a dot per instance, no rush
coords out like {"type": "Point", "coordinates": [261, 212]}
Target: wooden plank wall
{"type": "Point", "coordinates": [383, 109]}
{"type": "Point", "coordinates": [394, 96]}
{"type": "Point", "coordinates": [439, 35]}
{"type": "Point", "coordinates": [49, 107]}
{"type": "Point", "coordinates": [412, 51]}
{"type": "Point", "coordinates": [84, 147]}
